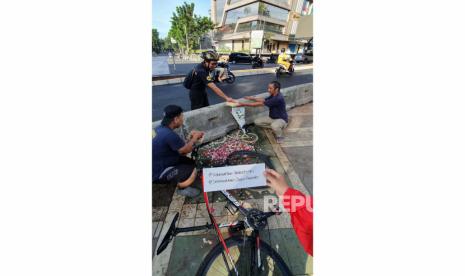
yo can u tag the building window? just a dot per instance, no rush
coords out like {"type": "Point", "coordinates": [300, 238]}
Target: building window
{"type": "Point", "coordinates": [272, 12]}
{"type": "Point", "coordinates": [233, 15]}
{"type": "Point", "coordinates": [247, 26]}
{"type": "Point", "coordinates": [244, 27]}
{"type": "Point", "coordinates": [256, 9]}
{"type": "Point", "coordinates": [255, 25]}
{"type": "Point", "coordinates": [274, 28]}
{"type": "Point", "coordinates": [219, 10]}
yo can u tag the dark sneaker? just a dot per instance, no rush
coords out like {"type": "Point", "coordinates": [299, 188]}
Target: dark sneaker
{"type": "Point", "coordinates": [189, 192]}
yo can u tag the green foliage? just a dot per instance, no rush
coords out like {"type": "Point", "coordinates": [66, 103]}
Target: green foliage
{"type": "Point", "coordinates": [187, 28]}
{"type": "Point", "coordinates": [156, 42]}
{"type": "Point", "coordinates": [263, 9]}
{"type": "Point", "coordinates": [167, 43]}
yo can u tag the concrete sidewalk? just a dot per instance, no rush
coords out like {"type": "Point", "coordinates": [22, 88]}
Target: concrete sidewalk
{"type": "Point", "coordinates": [293, 158]}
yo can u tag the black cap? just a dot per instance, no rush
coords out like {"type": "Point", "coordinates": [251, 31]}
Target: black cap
{"type": "Point", "coordinates": [170, 112]}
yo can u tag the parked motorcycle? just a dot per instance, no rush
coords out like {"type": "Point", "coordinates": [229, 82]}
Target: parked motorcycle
{"type": "Point", "coordinates": [257, 62]}
{"type": "Point", "coordinates": [227, 70]}
{"type": "Point", "coordinates": [282, 70]}
{"type": "Point", "coordinates": [272, 59]}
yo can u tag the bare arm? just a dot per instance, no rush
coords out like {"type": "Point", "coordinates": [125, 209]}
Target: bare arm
{"type": "Point", "coordinates": [187, 147]}
{"type": "Point", "coordinates": [251, 104]}
{"type": "Point", "coordinates": [219, 92]}
{"type": "Point", "coordinates": [190, 144]}
{"type": "Point", "coordinates": [256, 99]}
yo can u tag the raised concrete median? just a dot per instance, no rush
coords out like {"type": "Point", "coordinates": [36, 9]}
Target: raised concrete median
{"type": "Point", "coordinates": [217, 120]}
{"type": "Point", "coordinates": [237, 73]}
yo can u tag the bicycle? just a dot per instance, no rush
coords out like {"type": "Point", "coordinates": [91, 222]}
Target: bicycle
{"type": "Point", "coordinates": [238, 255]}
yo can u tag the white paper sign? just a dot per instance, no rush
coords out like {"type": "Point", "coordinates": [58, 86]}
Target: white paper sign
{"type": "Point", "coordinates": [239, 115]}
{"type": "Point", "coordinates": [256, 38]}
{"type": "Point", "coordinates": [234, 177]}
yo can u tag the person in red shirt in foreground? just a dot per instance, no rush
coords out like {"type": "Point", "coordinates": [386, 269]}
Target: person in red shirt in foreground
{"type": "Point", "coordinates": [299, 206]}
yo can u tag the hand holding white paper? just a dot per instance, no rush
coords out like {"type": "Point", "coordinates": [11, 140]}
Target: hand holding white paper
{"type": "Point", "coordinates": [234, 177]}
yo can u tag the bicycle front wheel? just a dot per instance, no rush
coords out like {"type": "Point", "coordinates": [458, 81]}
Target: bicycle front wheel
{"type": "Point", "coordinates": [245, 260]}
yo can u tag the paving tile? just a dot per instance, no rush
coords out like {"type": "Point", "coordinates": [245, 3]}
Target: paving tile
{"type": "Point", "coordinates": [201, 211]}
{"type": "Point", "coordinates": [188, 211]}
{"type": "Point", "coordinates": [186, 222]}
{"type": "Point", "coordinates": [272, 222]}
{"type": "Point", "coordinates": [176, 205]}
{"type": "Point", "coordinates": [219, 209]}
{"type": "Point", "coordinates": [201, 221]}
{"type": "Point", "coordinates": [159, 213]}
{"type": "Point", "coordinates": [185, 262]}
{"type": "Point", "coordinates": [286, 243]}
{"type": "Point", "coordinates": [283, 220]}
{"type": "Point", "coordinates": [177, 196]}
{"type": "Point", "coordinates": [259, 204]}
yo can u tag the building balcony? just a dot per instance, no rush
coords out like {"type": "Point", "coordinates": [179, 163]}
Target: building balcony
{"type": "Point", "coordinates": [236, 4]}
{"type": "Point", "coordinates": [246, 35]}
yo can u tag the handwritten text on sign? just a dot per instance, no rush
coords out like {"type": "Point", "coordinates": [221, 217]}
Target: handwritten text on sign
{"type": "Point", "coordinates": [234, 177]}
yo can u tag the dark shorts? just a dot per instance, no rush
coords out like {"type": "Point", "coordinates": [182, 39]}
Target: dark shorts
{"type": "Point", "coordinates": [198, 99]}
{"type": "Point", "coordinates": [179, 173]}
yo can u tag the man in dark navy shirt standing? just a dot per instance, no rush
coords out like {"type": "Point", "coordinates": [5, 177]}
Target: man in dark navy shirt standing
{"type": "Point", "coordinates": [169, 163]}
{"type": "Point", "coordinates": [277, 118]}
{"type": "Point", "coordinates": [203, 77]}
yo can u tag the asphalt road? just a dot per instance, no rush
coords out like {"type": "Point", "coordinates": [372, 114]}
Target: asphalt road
{"type": "Point", "coordinates": [243, 86]}
{"type": "Point", "coordinates": [185, 68]}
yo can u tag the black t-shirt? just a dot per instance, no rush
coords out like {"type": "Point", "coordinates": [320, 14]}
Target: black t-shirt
{"type": "Point", "coordinates": [201, 78]}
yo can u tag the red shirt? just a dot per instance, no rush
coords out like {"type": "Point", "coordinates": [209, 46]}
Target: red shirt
{"type": "Point", "coordinates": [300, 208]}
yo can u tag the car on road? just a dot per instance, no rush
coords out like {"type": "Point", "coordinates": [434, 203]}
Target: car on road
{"type": "Point", "coordinates": [240, 58]}
{"type": "Point", "coordinates": [302, 58]}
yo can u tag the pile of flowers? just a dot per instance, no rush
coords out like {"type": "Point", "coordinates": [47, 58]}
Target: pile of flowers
{"type": "Point", "coordinates": [216, 152]}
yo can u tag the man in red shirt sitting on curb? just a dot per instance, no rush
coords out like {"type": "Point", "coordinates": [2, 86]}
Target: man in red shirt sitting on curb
{"type": "Point", "coordinates": [299, 206]}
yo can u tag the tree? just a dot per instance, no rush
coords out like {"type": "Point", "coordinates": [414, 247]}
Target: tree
{"type": "Point", "coordinates": [187, 28]}
{"type": "Point", "coordinates": [263, 9]}
{"type": "Point", "coordinates": [156, 42]}
{"type": "Point", "coordinates": [167, 45]}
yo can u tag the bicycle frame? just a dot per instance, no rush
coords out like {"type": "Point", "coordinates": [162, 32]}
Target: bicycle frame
{"type": "Point", "coordinates": [255, 224]}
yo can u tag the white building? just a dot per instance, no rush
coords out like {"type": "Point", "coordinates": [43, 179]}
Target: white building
{"type": "Point", "coordinates": [235, 19]}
